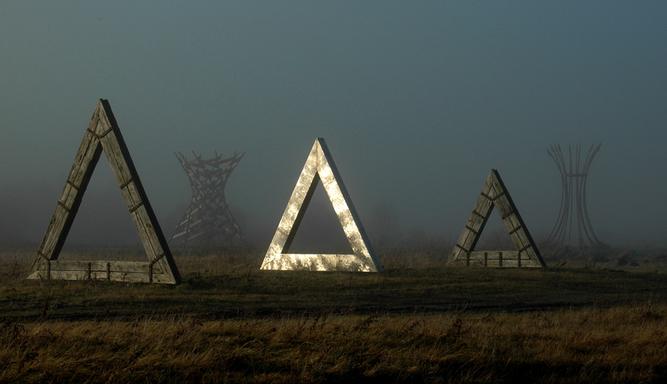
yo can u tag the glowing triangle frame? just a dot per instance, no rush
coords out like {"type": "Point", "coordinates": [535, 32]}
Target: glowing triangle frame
{"type": "Point", "coordinates": [495, 194]}
{"type": "Point", "coordinates": [320, 166]}
{"type": "Point", "coordinates": [103, 135]}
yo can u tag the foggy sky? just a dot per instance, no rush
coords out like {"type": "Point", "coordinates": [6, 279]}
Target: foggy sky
{"type": "Point", "coordinates": [417, 101]}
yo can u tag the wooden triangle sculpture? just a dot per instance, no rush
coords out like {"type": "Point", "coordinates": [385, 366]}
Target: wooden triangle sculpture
{"type": "Point", "coordinates": [495, 194]}
{"type": "Point", "coordinates": [103, 135]}
{"type": "Point", "coordinates": [320, 167]}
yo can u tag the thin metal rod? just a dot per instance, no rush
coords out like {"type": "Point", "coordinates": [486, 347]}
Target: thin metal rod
{"type": "Point", "coordinates": [573, 223]}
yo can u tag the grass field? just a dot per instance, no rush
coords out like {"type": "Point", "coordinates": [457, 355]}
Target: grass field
{"type": "Point", "coordinates": [426, 323]}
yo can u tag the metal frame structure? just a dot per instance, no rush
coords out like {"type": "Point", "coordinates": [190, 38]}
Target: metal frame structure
{"type": "Point", "coordinates": [103, 135]}
{"type": "Point", "coordinates": [573, 225]}
{"type": "Point", "coordinates": [208, 220]}
{"type": "Point", "coordinates": [495, 194]}
{"type": "Point", "coordinates": [320, 167]}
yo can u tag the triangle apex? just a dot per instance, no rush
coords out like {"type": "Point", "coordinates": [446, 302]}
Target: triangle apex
{"type": "Point", "coordinates": [495, 173]}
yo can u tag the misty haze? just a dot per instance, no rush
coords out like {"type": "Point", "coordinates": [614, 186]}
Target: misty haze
{"type": "Point", "coordinates": [429, 191]}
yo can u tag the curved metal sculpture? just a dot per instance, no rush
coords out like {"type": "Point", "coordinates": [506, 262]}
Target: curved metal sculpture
{"type": "Point", "coordinates": [208, 220]}
{"type": "Point", "coordinates": [573, 225]}
{"type": "Point", "coordinates": [320, 167]}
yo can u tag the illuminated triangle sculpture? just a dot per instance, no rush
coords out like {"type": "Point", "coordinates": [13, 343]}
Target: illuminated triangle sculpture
{"type": "Point", "coordinates": [103, 135]}
{"type": "Point", "coordinates": [320, 167]}
{"type": "Point", "coordinates": [495, 194]}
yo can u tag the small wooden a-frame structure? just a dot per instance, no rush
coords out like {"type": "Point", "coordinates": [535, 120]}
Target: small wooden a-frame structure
{"type": "Point", "coordinates": [495, 194]}
{"type": "Point", "coordinates": [103, 135]}
{"type": "Point", "coordinates": [320, 167]}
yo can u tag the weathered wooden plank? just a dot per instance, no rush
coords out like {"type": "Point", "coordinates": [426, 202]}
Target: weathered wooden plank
{"type": "Point", "coordinates": [492, 259]}
{"type": "Point", "coordinates": [101, 265]}
{"type": "Point", "coordinates": [475, 225]}
{"type": "Point", "coordinates": [115, 156]}
{"type": "Point", "coordinates": [150, 236]}
{"type": "Point", "coordinates": [87, 156]}
{"type": "Point", "coordinates": [70, 199]}
{"type": "Point", "coordinates": [127, 277]}
{"type": "Point", "coordinates": [132, 195]}
{"type": "Point", "coordinates": [57, 225]}
{"type": "Point", "coordinates": [511, 254]}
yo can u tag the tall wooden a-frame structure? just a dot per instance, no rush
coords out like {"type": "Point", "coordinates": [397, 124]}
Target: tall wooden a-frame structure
{"type": "Point", "coordinates": [103, 135]}
{"type": "Point", "coordinates": [320, 167]}
{"type": "Point", "coordinates": [495, 194]}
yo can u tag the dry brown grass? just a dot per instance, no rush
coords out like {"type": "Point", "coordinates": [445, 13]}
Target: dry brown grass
{"type": "Point", "coordinates": [621, 345]}
{"type": "Point", "coordinates": [229, 322]}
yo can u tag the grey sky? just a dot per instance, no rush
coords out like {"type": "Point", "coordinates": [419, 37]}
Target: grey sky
{"type": "Point", "coordinates": [417, 101]}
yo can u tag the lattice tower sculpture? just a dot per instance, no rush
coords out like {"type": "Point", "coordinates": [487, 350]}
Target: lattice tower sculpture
{"type": "Point", "coordinates": [208, 220]}
{"type": "Point", "coordinates": [573, 227]}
